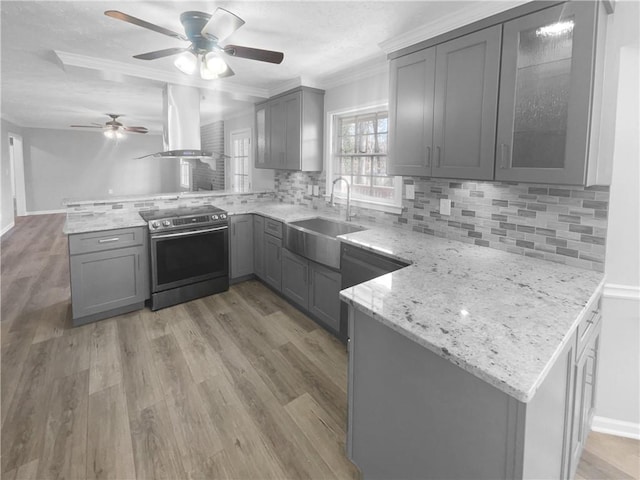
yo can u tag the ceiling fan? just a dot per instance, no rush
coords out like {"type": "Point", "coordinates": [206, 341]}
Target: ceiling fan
{"type": "Point", "coordinates": [113, 128]}
{"type": "Point", "coordinates": [205, 32]}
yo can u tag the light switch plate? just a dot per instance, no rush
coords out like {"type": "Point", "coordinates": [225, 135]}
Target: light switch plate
{"type": "Point", "coordinates": [410, 192]}
{"type": "Point", "coordinates": [316, 190]}
{"type": "Point", "coordinates": [309, 189]}
{"type": "Point", "coordinates": [445, 206]}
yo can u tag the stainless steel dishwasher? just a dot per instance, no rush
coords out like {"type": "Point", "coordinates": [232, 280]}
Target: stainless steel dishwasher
{"type": "Point", "coordinates": [358, 265]}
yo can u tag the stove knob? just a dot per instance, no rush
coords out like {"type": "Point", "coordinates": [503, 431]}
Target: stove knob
{"type": "Point", "coordinates": [214, 217]}
{"type": "Point", "coordinates": [166, 223]}
{"type": "Point", "coordinates": [155, 224]}
{"type": "Point", "coordinates": [223, 216]}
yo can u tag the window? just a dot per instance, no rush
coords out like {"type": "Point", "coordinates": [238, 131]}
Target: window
{"type": "Point", "coordinates": [359, 155]}
{"type": "Point", "coordinates": [185, 174]}
{"type": "Point", "coordinates": [240, 172]}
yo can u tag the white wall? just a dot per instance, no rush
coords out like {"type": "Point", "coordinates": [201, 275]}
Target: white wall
{"type": "Point", "coordinates": [618, 398]}
{"type": "Point", "coordinates": [261, 179]}
{"type": "Point", "coordinates": [77, 164]}
{"type": "Point", "coordinates": [6, 197]}
{"type": "Point", "coordinates": [359, 93]}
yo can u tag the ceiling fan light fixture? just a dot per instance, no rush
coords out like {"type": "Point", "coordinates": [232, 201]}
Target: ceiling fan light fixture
{"type": "Point", "coordinates": [186, 63]}
{"type": "Point", "coordinates": [212, 66]}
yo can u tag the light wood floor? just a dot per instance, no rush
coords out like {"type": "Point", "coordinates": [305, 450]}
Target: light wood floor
{"type": "Point", "coordinates": [237, 385]}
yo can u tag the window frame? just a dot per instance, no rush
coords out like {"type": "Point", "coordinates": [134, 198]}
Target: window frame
{"type": "Point", "coordinates": [233, 136]}
{"type": "Point", "coordinates": [332, 119]}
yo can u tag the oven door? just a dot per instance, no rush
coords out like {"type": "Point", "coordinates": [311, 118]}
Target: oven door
{"type": "Point", "coordinates": [188, 256]}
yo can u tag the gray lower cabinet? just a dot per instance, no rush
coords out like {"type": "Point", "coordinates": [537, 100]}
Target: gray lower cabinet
{"type": "Point", "coordinates": [324, 295]}
{"type": "Point", "coordinates": [414, 414]}
{"type": "Point", "coordinates": [109, 273]}
{"type": "Point", "coordinates": [295, 278]}
{"type": "Point", "coordinates": [241, 246]}
{"type": "Point", "coordinates": [258, 246]}
{"type": "Point", "coordinates": [273, 261]}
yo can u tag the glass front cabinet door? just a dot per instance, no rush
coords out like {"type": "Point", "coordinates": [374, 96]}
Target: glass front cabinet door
{"type": "Point", "coordinates": [545, 92]}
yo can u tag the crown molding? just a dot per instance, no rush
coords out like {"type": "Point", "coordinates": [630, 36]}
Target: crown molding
{"type": "Point", "coordinates": [285, 86]}
{"type": "Point", "coordinates": [117, 71]}
{"type": "Point", "coordinates": [361, 71]}
{"type": "Point", "coordinates": [445, 24]}
{"type": "Point", "coordinates": [10, 119]}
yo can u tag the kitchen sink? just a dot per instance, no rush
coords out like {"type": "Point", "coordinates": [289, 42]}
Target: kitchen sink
{"type": "Point", "coordinates": [316, 239]}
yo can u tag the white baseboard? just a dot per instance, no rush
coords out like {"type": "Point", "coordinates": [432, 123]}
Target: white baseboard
{"type": "Point", "coordinates": [46, 212]}
{"type": "Point", "coordinates": [7, 228]}
{"type": "Point", "coordinates": [628, 292]}
{"type": "Point", "coordinates": [616, 427]}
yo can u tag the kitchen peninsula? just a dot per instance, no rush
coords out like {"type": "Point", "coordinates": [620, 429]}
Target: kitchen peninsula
{"type": "Point", "coordinates": [463, 363]}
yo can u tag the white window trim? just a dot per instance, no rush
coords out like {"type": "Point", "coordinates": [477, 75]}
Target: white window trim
{"type": "Point", "coordinates": [396, 206]}
{"type": "Point", "coordinates": [244, 132]}
{"type": "Point", "coordinates": [189, 179]}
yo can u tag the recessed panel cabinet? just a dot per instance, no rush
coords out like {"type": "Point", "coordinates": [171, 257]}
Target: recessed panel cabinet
{"type": "Point", "coordinates": [292, 127]}
{"type": "Point", "coordinates": [273, 261]}
{"type": "Point", "coordinates": [443, 108]}
{"type": "Point", "coordinates": [258, 246]}
{"type": "Point", "coordinates": [241, 246]}
{"type": "Point", "coordinates": [109, 273]}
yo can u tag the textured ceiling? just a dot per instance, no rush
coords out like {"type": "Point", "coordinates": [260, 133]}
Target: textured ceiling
{"type": "Point", "coordinates": [318, 39]}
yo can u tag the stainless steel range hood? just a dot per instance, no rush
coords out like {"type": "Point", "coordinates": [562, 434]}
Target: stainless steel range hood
{"type": "Point", "coordinates": [181, 133]}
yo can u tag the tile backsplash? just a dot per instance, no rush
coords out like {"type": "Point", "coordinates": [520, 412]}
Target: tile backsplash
{"type": "Point", "coordinates": [564, 224]}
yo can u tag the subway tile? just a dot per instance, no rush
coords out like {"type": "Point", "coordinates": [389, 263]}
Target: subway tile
{"type": "Point", "coordinates": [498, 217]}
{"type": "Point", "coordinates": [585, 194]}
{"type": "Point", "coordinates": [548, 200]}
{"type": "Point", "coordinates": [591, 257]}
{"type": "Point", "coordinates": [600, 214]}
{"type": "Point", "coordinates": [539, 207]}
{"type": "Point", "coordinates": [594, 204]}
{"type": "Point", "coordinates": [499, 203]}
{"type": "Point", "coordinates": [507, 226]}
{"type": "Point", "coordinates": [468, 213]}
{"type": "Point", "coordinates": [418, 217]}
{"type": "Point", "coordinates": [592, 239]}
{"type": "Point", "coordinates": [474, 234]}
{"type": "Point", "coordinates": [476, 193]}
{"type": "Point", "coordinates": [538, 190]}
{"type": "Point", "coordinates": [524, 244]}
{"type": "Point", "coordinates": [580, 229]}
{"type": "Point", "coordinates": [567, 252]}
{"type": "Point", "coordinates": [534, 254]}
{"type": "Point", "coordinates": [598, 188]}
{"type": "Point", "coordinates": [455, 185]}
{"type": "Point", "coordinates": [569, 218]}
{"type": "Point", "coordinates": [481, 243]}
{"type": "Point", "coordinates": [527, 213]}
{"type": "Point", "coordinates": [559, 242]}
{"type": "Point", "coordinates": [517, 204]}
{"type": "Point", "coordinates": [545, 231]}
{"type": "Point", "coordinates": [525, 196]}
{"type": "Point", "coordinates": [468, 226]}
{"type": "Point", "coordinates": [525, 228]}
{"type": "Point", "coordinates": [499, 231]}
{"type": "Point", "coordinates": [559, 192]}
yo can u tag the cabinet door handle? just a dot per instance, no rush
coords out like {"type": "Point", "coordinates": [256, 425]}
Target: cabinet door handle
{"type": "Point", "coordinates": [437, 157]}
{"type": "Point", "coordinates": [504, 153]}
{"type": "Point", "coordinates": [109, 240]}
{"type": "Point", "coordinates": [428, 159]}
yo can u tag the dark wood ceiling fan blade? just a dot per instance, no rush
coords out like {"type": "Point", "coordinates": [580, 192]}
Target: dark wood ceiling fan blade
{"type": "Point", "coordinates": [221, 24]}
{"type": "Point", "coordinates": [160, 53]}
{"type": "Point", "coordinates": [254, 53]}
{"type": "Point", "coordinates": [144, 24]}
{"type": "Point", "coordinates": [87, 126]}
{"type": "Point", "coordinates": [136, 129]}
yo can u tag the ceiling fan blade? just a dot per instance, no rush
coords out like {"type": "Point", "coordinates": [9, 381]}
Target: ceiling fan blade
{"type": "Point", "coordinates": [160, 53]}
{"type": "Point", "coordinates": [144, 24]}
{"type": "Point", "coordinates": [136, 129]}
{"type": "Point", "coordinates": [87, 126]}
{"type": "Point", "coordinates": [221, 24]}
{"type": "Point", "coordinates": [254, 53]}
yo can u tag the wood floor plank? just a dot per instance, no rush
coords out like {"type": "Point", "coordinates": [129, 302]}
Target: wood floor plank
{"type": "Point", "coordinates": [13, 361]}
{"type": "Point", "coordinates": [109, 446]}
{"type": "Point", "coordinates": [155, 451]}
{"type": "Point", "coordinates": [246, 455]}
{"type": "Point", "coordinates": [171, 366]}
{"type": "Point", "coordinates": [65, 442]}
{"type": "Point", "coordinates": [196, 436]}
{"type": "Point", "coordinates": [592, 466]}
{"type": "Point", "coordinates": [24, 425]}
{"type": "Point", "coordinates": [620, 452]}
{"type": "Point", "coordinates": [106, 370]}
{"type": "Point", "coordinates": [158, 323]}
{"type": "Point", "coordinates": [28, 471]}
{"type": "Point", "coordinates": [324, 433]}
{"type": "Point", "coordinates": [141, 383]}
{"type": "Point", "coordinates": [72, 352]}
{"type": "Point", "coordinates": [54, 319]}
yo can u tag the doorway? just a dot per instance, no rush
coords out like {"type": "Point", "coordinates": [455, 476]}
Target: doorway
{"type": "Point", "coordinates": [16, 161]}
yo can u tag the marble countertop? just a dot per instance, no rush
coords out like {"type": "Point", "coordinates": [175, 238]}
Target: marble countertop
{"type": "Point", "coordinates": [502, 317]}
{"type": "Point", "coordinates": [158, 196]}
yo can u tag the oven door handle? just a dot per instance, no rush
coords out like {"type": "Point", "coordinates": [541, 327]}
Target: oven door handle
{"type": "Point", "coordinates": [192, 232]}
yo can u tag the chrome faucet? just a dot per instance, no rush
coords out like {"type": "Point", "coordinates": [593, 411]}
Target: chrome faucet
{"type": "Point", "coordinates": [333, 186]}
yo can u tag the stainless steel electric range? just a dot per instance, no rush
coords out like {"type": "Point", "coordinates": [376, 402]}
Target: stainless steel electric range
{"type": "Point", "coordinates": [189, 249]}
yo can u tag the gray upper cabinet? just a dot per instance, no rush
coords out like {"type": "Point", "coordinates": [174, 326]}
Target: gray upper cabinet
{"type": "Point", "coordinates": [109, 273]}
{"type": "Point", "coordinates": [241, 246]}
{"type": "Point", "coordinates": [258, 246]}
{"type": "Point", "coordinates": [465, 105]}
{"type": "Point", "coordinates": [410, 113]}
{"type": "Point", "coordinates": [294, 126]}
{"type": "Point", "coordinates": [443, 108]}
{"type": "Point", "coordinates": [545, 95]}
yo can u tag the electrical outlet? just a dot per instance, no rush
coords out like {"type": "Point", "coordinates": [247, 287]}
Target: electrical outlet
{"type": "Point", "coordinates": [410, 192]}
{"type": "Point", "coordinates": [111, 191]}
{"type": "Point", "coordinates": [309, 189]}
{"type": "Point", "coordinates": [316, 190]}
{"type": "Point", "coordinates": [445, 206]}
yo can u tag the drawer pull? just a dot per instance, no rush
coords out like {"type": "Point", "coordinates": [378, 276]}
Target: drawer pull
{"type": "Point", "coordinates": [109, 240]}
